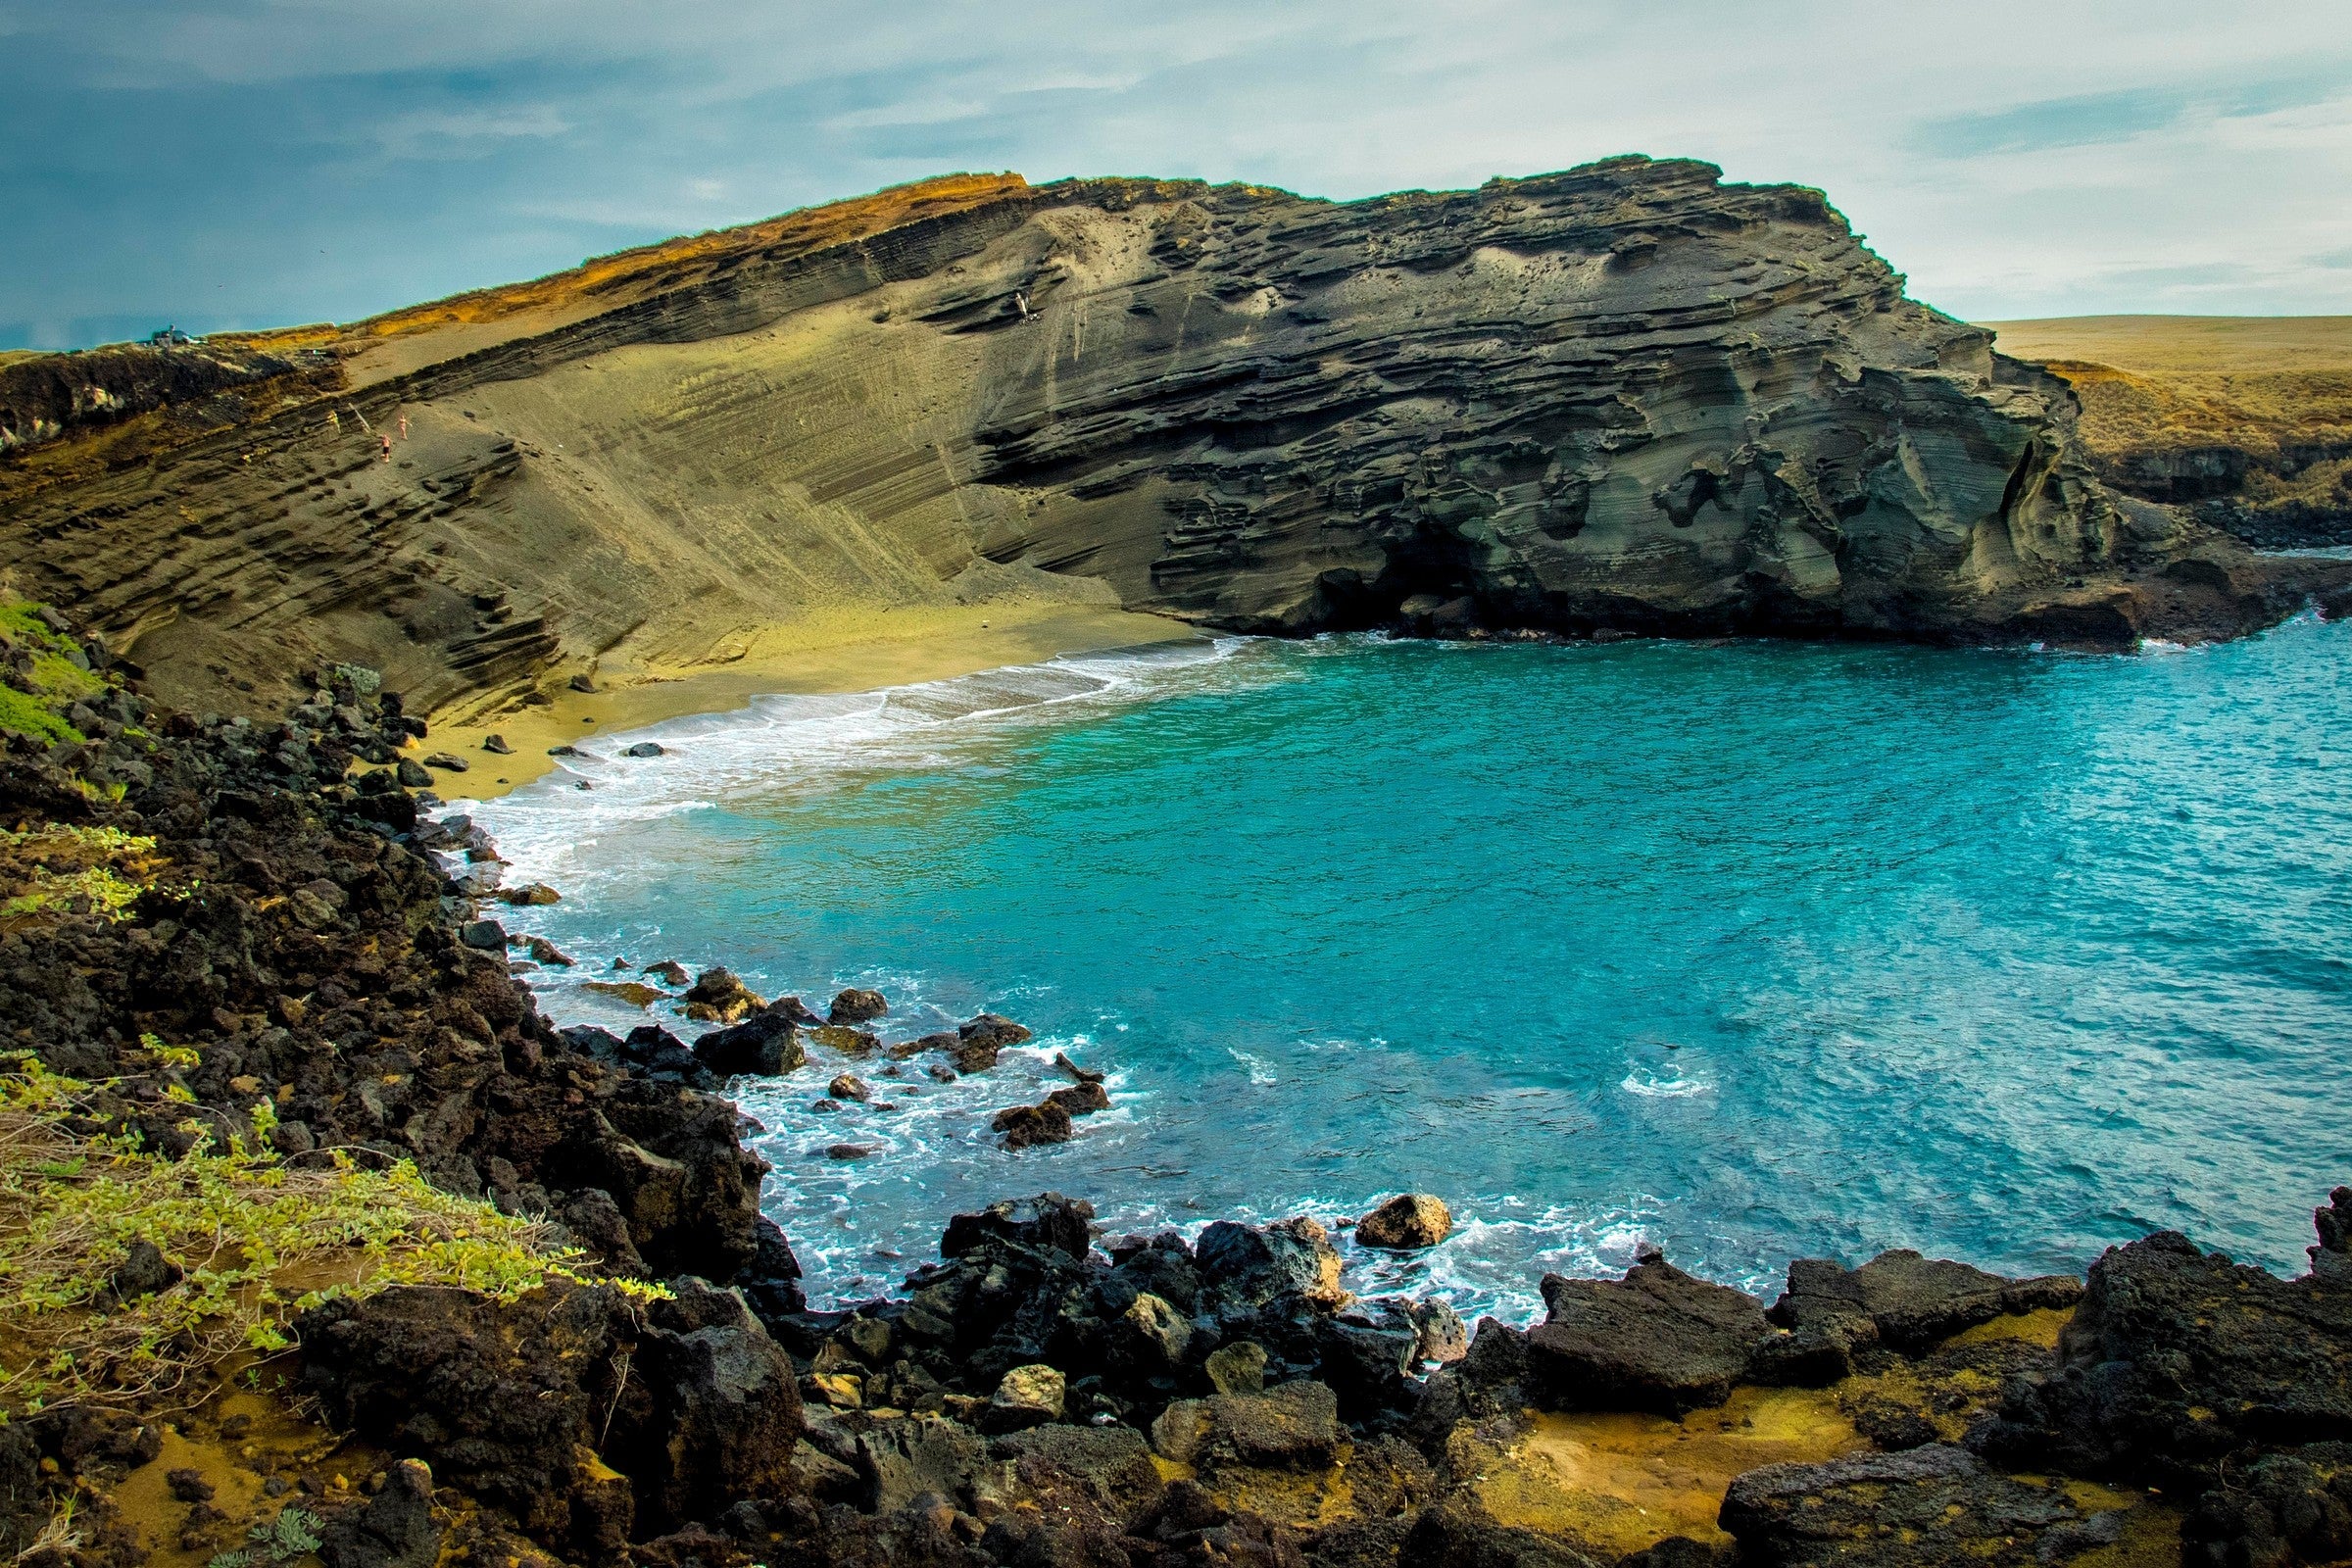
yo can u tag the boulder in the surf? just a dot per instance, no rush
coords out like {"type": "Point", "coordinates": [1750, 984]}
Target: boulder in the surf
{"type": "Point", "coordinates": [796, 1011]}
{"type": "Point", "coordinates": [857, 1006]}
{"type": "Point", "coordinates": [1080, 1100]}
{"type": "Point", "coordinates": [718, 996]}
{"type": "Point", "coordinates": [980, 1039]}
{"type": "Point", "coordinates": [1406, 1223]}
{"type": "Point", "coordinates": [1026, 1126]}
{"type": "Point", "coordinates": [763, 1046]}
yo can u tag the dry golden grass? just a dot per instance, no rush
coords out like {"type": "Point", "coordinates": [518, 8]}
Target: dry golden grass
{"type": "Point", "coordinates": [2157, 384]}
{"type": "Point", "coordinates": [2192, 345]}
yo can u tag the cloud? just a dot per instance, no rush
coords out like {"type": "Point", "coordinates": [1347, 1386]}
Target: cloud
{"type": "Point", "coordinates": [467, 132]}
{"type": "Point", "coordinates": [2054, 123]}
{"type": "Point", "coordinates": [270, 160]}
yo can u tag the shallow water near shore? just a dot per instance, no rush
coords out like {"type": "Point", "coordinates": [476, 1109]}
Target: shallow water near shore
{"type": "Point", "coordinates": [1753, 950]}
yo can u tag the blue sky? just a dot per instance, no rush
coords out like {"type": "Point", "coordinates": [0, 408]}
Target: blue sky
{"type": "Point", "coordinates": [221, 162]}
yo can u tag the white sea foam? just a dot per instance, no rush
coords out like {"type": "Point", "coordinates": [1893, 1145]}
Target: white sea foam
{"type": "Point", "coordinates": [1262, 1073]}
{"type": "Point", "coordinates": [1667, 1085]}
{"type": "Point", "coordinates": [547, 829]}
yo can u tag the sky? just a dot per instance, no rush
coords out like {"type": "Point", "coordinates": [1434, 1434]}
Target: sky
{"type": "Point", "coordinates": [244, 163]}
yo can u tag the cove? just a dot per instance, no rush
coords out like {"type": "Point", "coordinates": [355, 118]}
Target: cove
{"type": "Point", "coordinates": [1752, 950]}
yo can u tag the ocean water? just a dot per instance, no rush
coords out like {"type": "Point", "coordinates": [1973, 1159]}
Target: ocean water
{"type": "Point", "coordinates": [1754, 951]}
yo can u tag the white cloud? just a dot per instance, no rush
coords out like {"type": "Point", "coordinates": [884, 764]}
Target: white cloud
{"type": "Point", "coordinates": [2012, 157]}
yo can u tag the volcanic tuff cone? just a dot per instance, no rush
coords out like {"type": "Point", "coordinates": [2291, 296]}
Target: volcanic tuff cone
{"type": "Point", "coordinates": [1628, 396]}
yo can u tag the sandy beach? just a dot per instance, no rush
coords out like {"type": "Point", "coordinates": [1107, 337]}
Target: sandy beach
{"type": "Point", "coordinates": [847, 653]}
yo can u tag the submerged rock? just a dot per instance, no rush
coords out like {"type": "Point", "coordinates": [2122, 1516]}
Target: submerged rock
{"type": "Point", "coordinates": [842, 1038]}
{"type": "Point", "coordinates": [636, 993]}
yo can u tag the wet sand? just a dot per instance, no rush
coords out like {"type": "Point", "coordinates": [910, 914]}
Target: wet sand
{"type": "Point", "coordinates": [846, 654]}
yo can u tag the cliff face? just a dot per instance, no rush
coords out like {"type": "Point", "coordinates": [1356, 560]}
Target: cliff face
{"type": "Point", "coordinates": [1628, 396]}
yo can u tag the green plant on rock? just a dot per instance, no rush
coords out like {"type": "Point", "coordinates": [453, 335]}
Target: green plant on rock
{"type": "Point", "coordinates": [20, 714]}
{"type": "Point", "coordinates": [42, 673]}
{"type": "Point", "coordinates": [248, 1242]}
{"type": "Point", "coordinates": [293, 1534]}
{"type": "Point", "coordinates": [59, 868]}
{"type": "Point", "coordinates": [359, 677]}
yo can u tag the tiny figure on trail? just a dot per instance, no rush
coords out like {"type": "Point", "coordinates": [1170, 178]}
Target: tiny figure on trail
{"type": "Point", "coordinates": [387, 441]}
{"type": "Point", "coordinates": [335, 420]}
{"type": "Point", "coordinates": [404, 427]}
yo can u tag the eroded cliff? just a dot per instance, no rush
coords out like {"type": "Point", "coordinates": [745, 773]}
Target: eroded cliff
{"type": "Point", "coordinates": [1627, 397]}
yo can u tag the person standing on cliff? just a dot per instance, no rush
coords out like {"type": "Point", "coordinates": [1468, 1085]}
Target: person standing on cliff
{"type": "Point", "coordinates": [386, 439]}
{"type": "Point", "coordinates": [404, 427]}
{"type": "Point", "coordinates": [334, 423]}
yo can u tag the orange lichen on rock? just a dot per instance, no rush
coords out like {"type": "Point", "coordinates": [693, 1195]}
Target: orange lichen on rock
{"type": "Point", "coordinates": [1623, 1481]}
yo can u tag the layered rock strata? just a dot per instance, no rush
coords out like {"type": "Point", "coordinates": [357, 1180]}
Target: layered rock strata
{"type": "Point", "coordinates": [1627, 397]}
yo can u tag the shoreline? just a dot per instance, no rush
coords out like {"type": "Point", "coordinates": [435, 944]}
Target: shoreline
{"type": "Point", "coordinates": [866, 651]}
{"type": "Point", "coordinates": [1045, 1389]}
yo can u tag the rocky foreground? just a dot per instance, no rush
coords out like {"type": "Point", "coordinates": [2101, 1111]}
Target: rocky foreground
{"type": "Point", "coordinates": [1048, 1392]}
{"type": "Point", "coordinates": [1626, 398]}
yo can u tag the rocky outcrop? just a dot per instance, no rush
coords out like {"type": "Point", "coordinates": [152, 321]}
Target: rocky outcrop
{"type": "Point", "coordinates": [51, 397]}
{"type": "Point", "coordinates": [1906, 1301]}
{"type": "Point", "coordinates": [1657, 1340]}
{"type": "Point", "coordinates": [1625, 396]}
{"type": "Point", "coordinates": [1909, 1510]}
{"type": "Point", "coordinates": [2181, 1367]}
{"type": "Point", "coordinates": [593, 1421]}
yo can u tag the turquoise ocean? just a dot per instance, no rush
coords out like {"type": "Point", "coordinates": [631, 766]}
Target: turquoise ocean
{"type": "Point", "coordinates": [1752, 950]}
